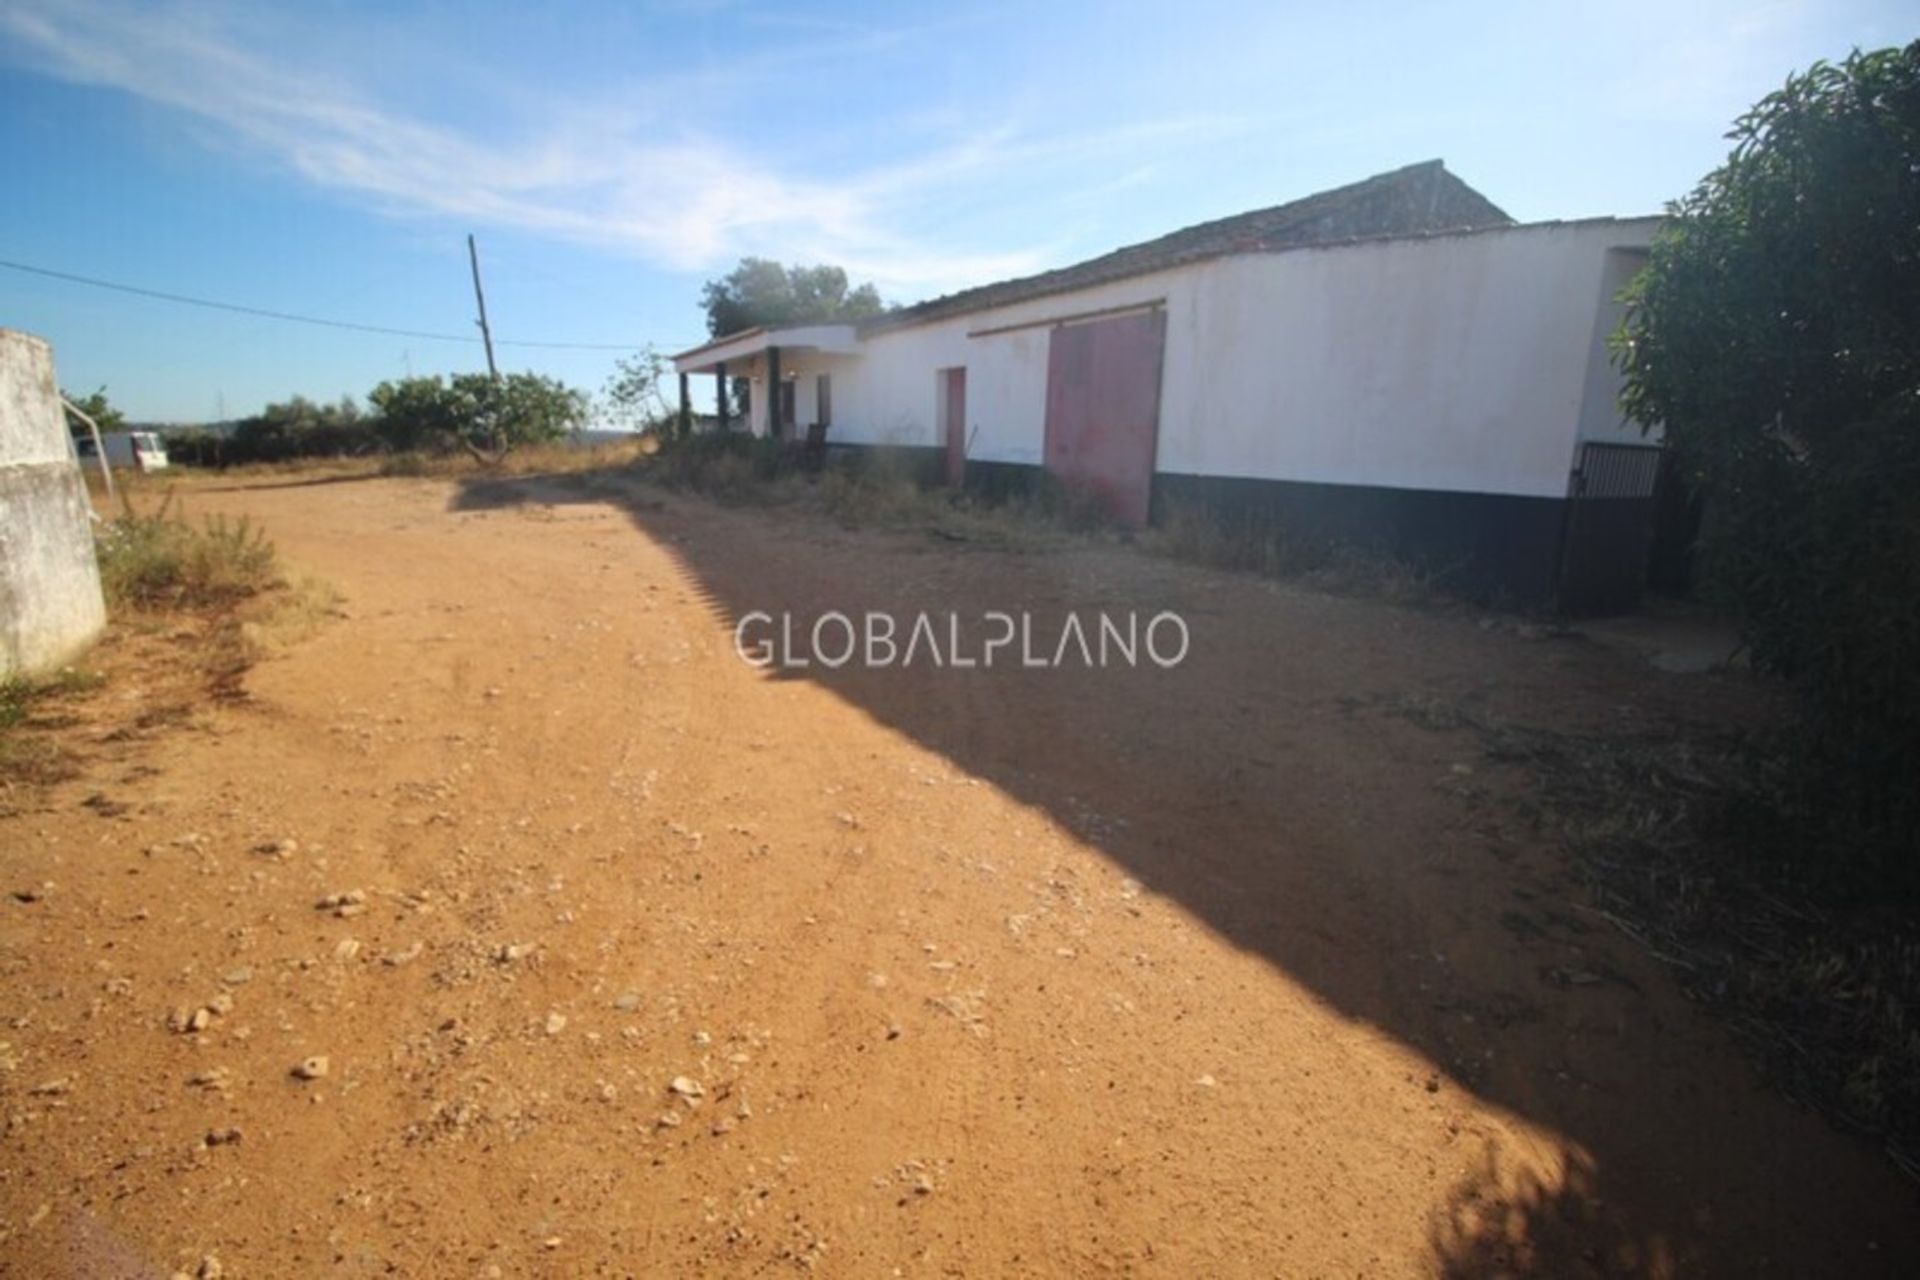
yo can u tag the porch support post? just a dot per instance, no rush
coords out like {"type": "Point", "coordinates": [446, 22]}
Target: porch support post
{"type": "Point", "coordinates": [773, 393]}
{"type": "Point", "coordinates": [720, 380]}
{"type": "Point", "coordinates": [685, 427]}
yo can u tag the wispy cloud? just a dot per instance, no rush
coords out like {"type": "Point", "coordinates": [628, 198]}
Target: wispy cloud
{"type": "Point", "coordinates": [626, 180]}
{"type": "Point", "coordinates": [1711, 63]}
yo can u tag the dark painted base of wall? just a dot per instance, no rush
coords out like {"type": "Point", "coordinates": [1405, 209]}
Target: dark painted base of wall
{"type": "Point", "coordinates": [927, 464]}
{"type": "Point", "coordinates": [921, 463]}
{"type": "Point", "coordinates": [1497, 548]}
{"type": "Point", "coordinates": [999, 481]}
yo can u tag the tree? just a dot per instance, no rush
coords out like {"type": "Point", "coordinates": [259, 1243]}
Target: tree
{"type": "Point", "coordinates": [634, 395]}
{"type": "Point", "coordinates": [95, 406]}
{"type": "Point", "coordinates": [301, 428]}
{"type": "Point", "coordinates": [472, 411]}
{"type": "Point", "coordinates": [414, 413]}
{"type": "Point", "coordinates": [521, 408]}
{"type": "Point", "coordinates": [1776, 335]}
{"type": "Point", "coordinates": [760, 292]}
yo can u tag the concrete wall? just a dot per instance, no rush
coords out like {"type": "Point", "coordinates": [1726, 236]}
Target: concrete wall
{"type": "Point", "coordinates": [50, 603]}
{"type": "Point", "coordinates": [1458, 362]}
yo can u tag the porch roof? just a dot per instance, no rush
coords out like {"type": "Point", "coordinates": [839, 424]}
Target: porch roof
{"type": "Point", "coordinates": [833, 339]}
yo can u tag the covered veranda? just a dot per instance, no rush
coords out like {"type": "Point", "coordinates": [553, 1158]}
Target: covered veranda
{"type": "Point", "coordinates": [788, 372]}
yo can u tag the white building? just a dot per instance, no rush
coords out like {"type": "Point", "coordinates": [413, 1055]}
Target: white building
{"type": "Point", "coordinates": [1395, 364]}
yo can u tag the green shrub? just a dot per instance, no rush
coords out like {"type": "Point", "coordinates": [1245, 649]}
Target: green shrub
{"type": "Point", "coordinates": [159, 560]}
{"type": "Point", "coordinates": [486, 417]}
{"type": "Point", "coordinates": [281, 432]}
{"type": "Point", "coordinates": [196, 447]}
{"type": "Point", "coordinates": [1775, 336]}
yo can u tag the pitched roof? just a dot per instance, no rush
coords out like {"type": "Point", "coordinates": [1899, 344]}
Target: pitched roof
{"type": "Point", "coordinates": [1420, 197]}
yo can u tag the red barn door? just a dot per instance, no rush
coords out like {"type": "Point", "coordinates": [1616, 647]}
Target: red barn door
{"type": "Point", "coordinates": [1103, 409]}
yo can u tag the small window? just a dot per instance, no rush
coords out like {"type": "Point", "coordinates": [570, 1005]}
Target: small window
{"type": "Point", "coordinates": [823, 400]}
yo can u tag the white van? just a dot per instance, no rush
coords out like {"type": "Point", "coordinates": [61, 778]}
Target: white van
{"type": "Point", "coordinates": [140, 450]}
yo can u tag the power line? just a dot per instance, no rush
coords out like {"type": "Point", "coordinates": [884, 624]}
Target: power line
{"type": "Point", "coordinates": [263, 312]}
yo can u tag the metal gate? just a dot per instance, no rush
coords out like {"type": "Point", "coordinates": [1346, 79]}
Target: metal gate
{"type": "Point", "coordinates": [1609, 528]}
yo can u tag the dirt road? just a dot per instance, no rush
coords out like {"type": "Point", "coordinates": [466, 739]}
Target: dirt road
{"type": "Point", "coordinates": [1223, 970]}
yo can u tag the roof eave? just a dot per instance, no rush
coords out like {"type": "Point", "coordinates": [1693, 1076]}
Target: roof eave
{"type": "Point", "coordinates": [838, 338]}
{"type": "Point", "coordinates": [907, 319]}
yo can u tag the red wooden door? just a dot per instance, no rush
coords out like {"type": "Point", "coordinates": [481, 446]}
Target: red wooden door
{"type": "Point", "coordinates": [954, 411]}
{"type": "Point", "coordinates": [1103, 409]}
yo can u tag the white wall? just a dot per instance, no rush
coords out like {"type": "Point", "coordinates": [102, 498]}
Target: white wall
{"type": "Point", "coordinates": [798, 366]}
{"type": "Point", "coordinates": [50, 604]}
{"type": "Point", "coordinates": [1456, 362]}
{"type": "Point", "coordinates": [894, 395]}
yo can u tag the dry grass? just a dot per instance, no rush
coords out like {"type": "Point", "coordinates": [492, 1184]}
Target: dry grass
{"type": "Point", "coordinates": [1188, 533]}
{"type": "Point", "coordinates": [192, 607]}
{"type": "Point", "coordinates": [153, 486]}
{"type": "Point", "coordinates": [1685, 848]}
{"type": "Point", "coordinates": [884, 489]}
{"type": "Point", "coordinates": [1248, 544]}
{"type": "Point", "coordinates": [891, 490]}
{"type": "Point", "coordinates": [287, 613]}
{"type": "Point", "coordinates": [542, 459]}
{"type": "Point", "coordinates": [29, 706]}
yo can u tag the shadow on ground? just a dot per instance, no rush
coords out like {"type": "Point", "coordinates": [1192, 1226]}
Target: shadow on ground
{"type": "Point", "coordinates": [1260, 786]}
{"type": "Point", "coordinates": [237, 485]}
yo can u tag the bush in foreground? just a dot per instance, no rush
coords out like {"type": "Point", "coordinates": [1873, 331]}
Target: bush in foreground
{"type": "Point", "coordinates": [159, 560]}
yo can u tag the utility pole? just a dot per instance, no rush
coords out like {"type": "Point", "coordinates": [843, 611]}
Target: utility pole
{"type": "Point", "coordinates": [486, 334]}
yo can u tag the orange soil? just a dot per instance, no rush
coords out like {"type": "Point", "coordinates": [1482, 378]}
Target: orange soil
{"type": "Point", "coordinates": [1217, 971]}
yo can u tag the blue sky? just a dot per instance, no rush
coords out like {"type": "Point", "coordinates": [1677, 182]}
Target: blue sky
{"type": "Point", "coordinates": [328, 158]}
